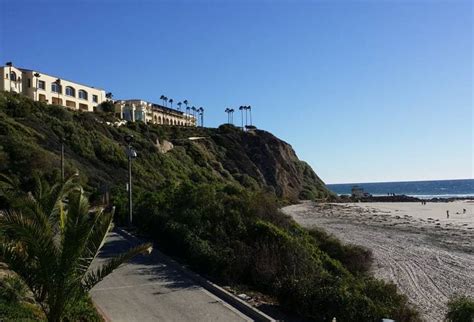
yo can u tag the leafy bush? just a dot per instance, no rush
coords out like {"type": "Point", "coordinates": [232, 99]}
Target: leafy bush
{"type": "Point", "coordinates": [460, 309]}
{"type": "Point", "coordinates": [356, 259]}
{"type": "Point", "coordinates": [12, 304]}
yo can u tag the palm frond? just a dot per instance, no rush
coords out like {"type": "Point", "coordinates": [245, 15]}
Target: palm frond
{"type": "Point", "coordinates": [28, 250]}
{"type": "Point", "coordinates": [94, 277]}
{"type": "Point", "coordinates": [96, 238]}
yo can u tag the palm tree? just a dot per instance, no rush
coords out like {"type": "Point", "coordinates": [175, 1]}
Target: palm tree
{"type": "Point", "coordinates": [187, 112]}
{"type": "Point", "coordinates": [250, 113]}
{"type": "Point", "coordinates": [51, 243]}
{"type": "Point", "coordinates": [179, 106]}
{"type": "Point", "coordinates": [171, 102]}
{"type": "Point", "coordinates": [231, 116]}
{"type": "Point", "coordinates": [246, 120]}
{"type": "Point", "coordinates": [241, 108]}
{"type": "Point", "coordinates": [162, 98]}
{"type": "Point", "coordinates": [194, 109]}
{"type": "Point", "coordinates": [165, 99]}
{"type": "Point", "coordinates": [201, 114]}
{"type": "Point", "coordinates": [227, 110]}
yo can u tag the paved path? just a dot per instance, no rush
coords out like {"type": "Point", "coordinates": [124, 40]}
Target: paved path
{"type": "Point", "coordinates": [146, 289]}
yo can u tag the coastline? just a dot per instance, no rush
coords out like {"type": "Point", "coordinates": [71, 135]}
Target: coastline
{"type": "Point", "coordinates": [429, 257]}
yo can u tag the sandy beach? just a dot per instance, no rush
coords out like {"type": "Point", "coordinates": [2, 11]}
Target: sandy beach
{"type": "Point", "coordinates": [429, 256]}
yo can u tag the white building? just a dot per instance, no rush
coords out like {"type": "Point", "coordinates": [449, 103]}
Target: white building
{"type": "Point", "coordinates": [50, 89]}
{"type": "Point", "coordinates": [139, 110]}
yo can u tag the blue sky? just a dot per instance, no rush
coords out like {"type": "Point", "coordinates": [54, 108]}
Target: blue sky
{"type": "Point", "coordinates": [363, 90]}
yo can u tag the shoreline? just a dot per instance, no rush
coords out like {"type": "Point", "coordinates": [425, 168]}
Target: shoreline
{"type": "Point", "coordinates": [429, 257]}
{"type": "Point", "coordinates": [344, 198]}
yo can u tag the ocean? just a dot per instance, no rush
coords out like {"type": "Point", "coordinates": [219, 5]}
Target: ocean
{"type": "Point", "coordinates": [419, 189]}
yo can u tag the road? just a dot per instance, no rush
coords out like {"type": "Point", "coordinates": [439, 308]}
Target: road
{"type": "Point", "coordinates": [147, 289]}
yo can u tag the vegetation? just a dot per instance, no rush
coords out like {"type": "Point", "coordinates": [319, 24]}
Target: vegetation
{"type": "Point", "coordinates": [240, 237]}
{"type": "Point", "coordinates": [31, 133]}
{"type": "Point", "coordinates": [13, 305]}
{"type": "Point", "coordinates": [212, 202]}
{"type": "Point", "coordinates": [50, 238]}
{"type": "Point", "coordinates": [460, 309]}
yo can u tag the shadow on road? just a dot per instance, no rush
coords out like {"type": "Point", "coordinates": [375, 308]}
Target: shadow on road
{"type": "Point", "coordinates": [153, 267]}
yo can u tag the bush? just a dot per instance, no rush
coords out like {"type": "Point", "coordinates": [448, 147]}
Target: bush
{"type": "Point", "coordinates": [460, 309]}
{"type": "Point", "coordinates": [356, 259]}
{"type": "Point", "coordinates": [12, 304]}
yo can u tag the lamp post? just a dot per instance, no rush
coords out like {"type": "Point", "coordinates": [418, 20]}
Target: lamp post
{"type": "Point", "coordinates": [131, 153]}
{"type": "Point", "coordinates": [62, 159]}
{"type": "Point", "coordinates": [58, 83]}
{"type": "Point", "coordinates": [37, 75]}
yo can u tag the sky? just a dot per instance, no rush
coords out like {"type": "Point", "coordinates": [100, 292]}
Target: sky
{"type": "Point", "coordinates": [364, 91]}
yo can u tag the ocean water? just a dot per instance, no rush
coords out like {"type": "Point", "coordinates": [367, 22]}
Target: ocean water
{"type": "Point", "coordinates": [420, 189]}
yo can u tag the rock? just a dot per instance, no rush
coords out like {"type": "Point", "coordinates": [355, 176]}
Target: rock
{"type": "Point", "coordinates": [164, 147]}
{"type": "Point", "coordinates": [244, 297]}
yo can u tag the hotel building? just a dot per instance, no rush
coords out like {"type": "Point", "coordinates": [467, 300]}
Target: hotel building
{"type": "Point", "coordinates": [151, 113]}
{"type": "Point", "coordinates": [50, 89]}
{"type": "Point", "coordinates": [53, 90]}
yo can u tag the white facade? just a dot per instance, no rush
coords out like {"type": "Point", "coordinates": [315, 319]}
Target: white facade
{"type": "Point", "coordinates": [50, 89]}
{"type": "Point", "coordinates": [53, 90]}
{"type": "Point", "coordinates": [139, 110]}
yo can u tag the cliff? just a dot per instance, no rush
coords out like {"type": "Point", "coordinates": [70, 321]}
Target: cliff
{"type": "Point", "coordinates": [30, 141]}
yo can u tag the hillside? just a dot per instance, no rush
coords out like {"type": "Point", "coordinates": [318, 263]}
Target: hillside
{"type": "Point", "coordinates": [212, 203]}
{"type": "Point", "coordinates": [30, 135]}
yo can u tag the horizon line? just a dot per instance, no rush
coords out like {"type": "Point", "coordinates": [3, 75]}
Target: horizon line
{"type": "Point", "coordinates": [430, 180]}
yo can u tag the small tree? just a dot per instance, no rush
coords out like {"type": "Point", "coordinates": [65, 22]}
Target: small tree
{"type": "Point", "coordinates": [51, 243]}
{"type": "Point", "coordinates": [107, 107]}
{"type": "Point", "coordinates": [460, 309]}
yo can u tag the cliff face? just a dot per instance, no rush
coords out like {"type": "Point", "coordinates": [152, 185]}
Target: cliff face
{"type": "Point", "coordinates": [270, 161]}
{"type": "Point", "coordinates": [30, 135]}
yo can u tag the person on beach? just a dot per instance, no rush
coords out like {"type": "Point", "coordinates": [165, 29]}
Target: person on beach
{"type": "Point", "coordinates": [464, 211]}
{"type": "Point", "coordinates": [447, 214]}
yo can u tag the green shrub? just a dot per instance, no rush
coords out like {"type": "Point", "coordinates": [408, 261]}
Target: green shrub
{"type": "Point", "coordinates": [460, 309]}
{"type": "Point", "coordinates": [12, 289]}
{"type": "Point", "coordinates": [356, 259]}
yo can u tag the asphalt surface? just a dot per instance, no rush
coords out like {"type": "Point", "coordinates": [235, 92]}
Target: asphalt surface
{"type": "Point", "coordinates": [146, 289]}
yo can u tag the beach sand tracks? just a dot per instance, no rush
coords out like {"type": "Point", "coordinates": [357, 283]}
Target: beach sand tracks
{"type": "Point", "coordinates": [428, 264]}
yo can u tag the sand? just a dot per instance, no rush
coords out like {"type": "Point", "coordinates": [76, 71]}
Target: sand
{"type": "Point", "coordinates": [430, 257]}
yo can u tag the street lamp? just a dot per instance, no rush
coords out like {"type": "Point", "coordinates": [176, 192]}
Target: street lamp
{"type": "Point", "coordinates": [62, 158]}
{"type": "Point", "coordinates": [37, 75]}
{"type": "Point", "coordinates": [131, 154]}
{"type": "Point", "coordinates": [58, 83]}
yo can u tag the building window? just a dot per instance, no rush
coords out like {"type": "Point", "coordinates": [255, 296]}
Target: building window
{"type": "Point", "coordinates": [82, 94]}
{"type": "Point", "coordinates": [13, 76]}
{"type": "Point", "coordinates": [83, 107]}
{"type": "Point", "coordinates": [29, 82]}
{"type": "Point", "coordinates": [70, 91]}
{"type": "Point", "coordinates": [41, 84]}
{"type": "Point", "coordinates": [56, 88]}
{"type": "Point", "coordinates": [70, 103]}
{"type": "Point", "coordinates": [42, 98]}
{"type": "Point", "coordinates": [56, 101]}
{"type": "Point", "coordinates": [95, 99]}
